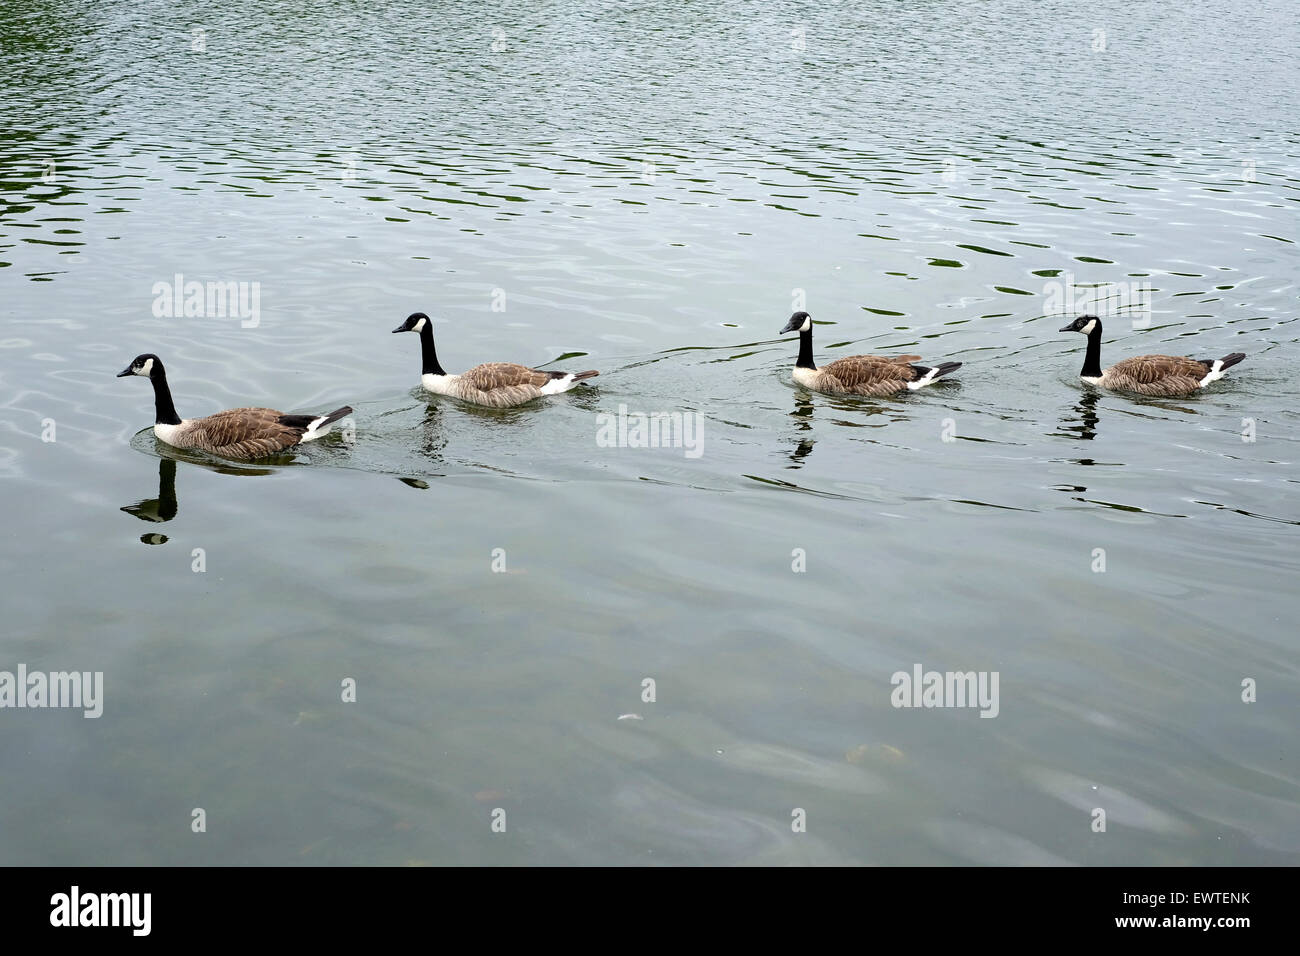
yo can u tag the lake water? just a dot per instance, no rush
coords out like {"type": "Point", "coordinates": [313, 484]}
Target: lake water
{"type": "Point", "coordinates": [650, 190]}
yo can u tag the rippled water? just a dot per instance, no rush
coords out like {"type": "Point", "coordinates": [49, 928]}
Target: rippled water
{"type": "Point", "coordinates": [650, 191]}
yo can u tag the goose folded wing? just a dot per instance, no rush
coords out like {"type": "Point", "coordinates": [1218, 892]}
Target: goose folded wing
{"type": "Point", "coordinates": [1149, 369]}
{"type": "Point", "coordinates": [494, 375]}
{"type": "Point", "coordinates": [249, 432]}
{"type": "Point", "coordinates": [857, 371]}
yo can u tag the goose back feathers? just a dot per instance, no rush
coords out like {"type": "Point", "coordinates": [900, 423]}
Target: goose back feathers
{"type": "Point", "coordinates": [493, 384]}
{"type": "Point", "coordinates": [876, 376]}
{"type": "Point", "coordinates": [241, 433]}
{"type": "Point", "coordinates": [246, 433]}
{"type": "Point", "coordinates": [1159, 375]}
{"type": "Point", "coordinates": [504, 384]}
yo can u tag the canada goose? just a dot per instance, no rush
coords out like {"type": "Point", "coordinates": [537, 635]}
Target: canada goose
{"type": "Point", "coordinates": [494, 384]}
{"type": "Point", "coordinates": [875, 375]}
{"type": "Point", "coordinates": [1165, 375]}
{"type": "Point", "coordinates": [236, 433]}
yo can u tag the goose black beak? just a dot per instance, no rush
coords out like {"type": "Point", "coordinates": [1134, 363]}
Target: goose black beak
{"type": "Point", "coordinates": [125, 372]}
{"type": "Point", "coordinates": [790, 327]}
{"type": "Point", "coordinates": [1067, 328]}
{"type": "Point", "coordinates": [400, 328]}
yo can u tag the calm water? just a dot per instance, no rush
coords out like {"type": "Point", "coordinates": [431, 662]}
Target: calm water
{"type": "Point", "coordinates": [644, 190]}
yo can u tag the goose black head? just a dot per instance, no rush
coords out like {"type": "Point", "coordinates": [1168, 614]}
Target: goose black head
{"type": "Point", "coordinates": [799, 322]}
{"type": "Point", "coordinates": [1084, 324]}
{"type": "Point", "coordinates": [147, 365]}
{"type": "Point", "coordinates": [415, 322]}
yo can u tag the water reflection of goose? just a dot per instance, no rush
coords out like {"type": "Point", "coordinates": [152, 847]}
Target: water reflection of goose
{"type": "Point", "coordinates": [1084, 426]}
{"type": "Point", "coordinates": [432, 439]}
{"type": "Point", "coordinates": [802, 415]}
{"type": "Point", "coordinates": [164, 508]}
{"type": "Point", "coordinates": [161, 509]}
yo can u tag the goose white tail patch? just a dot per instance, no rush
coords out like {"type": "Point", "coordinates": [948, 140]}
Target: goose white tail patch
{"type": "Point", "coordinates": [314, 430]}
{"type": "Point", "coordinates": [924, 380]}
{"type": "Point", "coordinates": [557, 385]}
{"type": "Point", "coordinates": [1216, 373]}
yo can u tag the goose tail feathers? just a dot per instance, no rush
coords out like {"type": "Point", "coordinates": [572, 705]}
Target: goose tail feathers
{"type": "Point", "coordinates": [1217, 367]}
{"type": "Point", "coordinates": [928, 375]}
{"type": "Point", "coordinates": [319, 425]}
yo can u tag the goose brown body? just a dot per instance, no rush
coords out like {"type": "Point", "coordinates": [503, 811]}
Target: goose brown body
{"type": "Point", "coordinates": [872, 375]}
{"type": "Point", "coordinates": [1166, 375]}
{"type": "Point", "coordinates": [244, 433]}
{"type": "Point", "coordinates": [503, 384]}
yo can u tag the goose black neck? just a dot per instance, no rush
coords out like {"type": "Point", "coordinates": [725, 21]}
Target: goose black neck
{"type": "Point", "coordinates": [427, 353]}
{"type": "Point", "coordinates": [1092, 359]}
{"type": "Point", "coordinates": [164, 410]}
{"type": "Point", "coordinates": [805, 351]}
